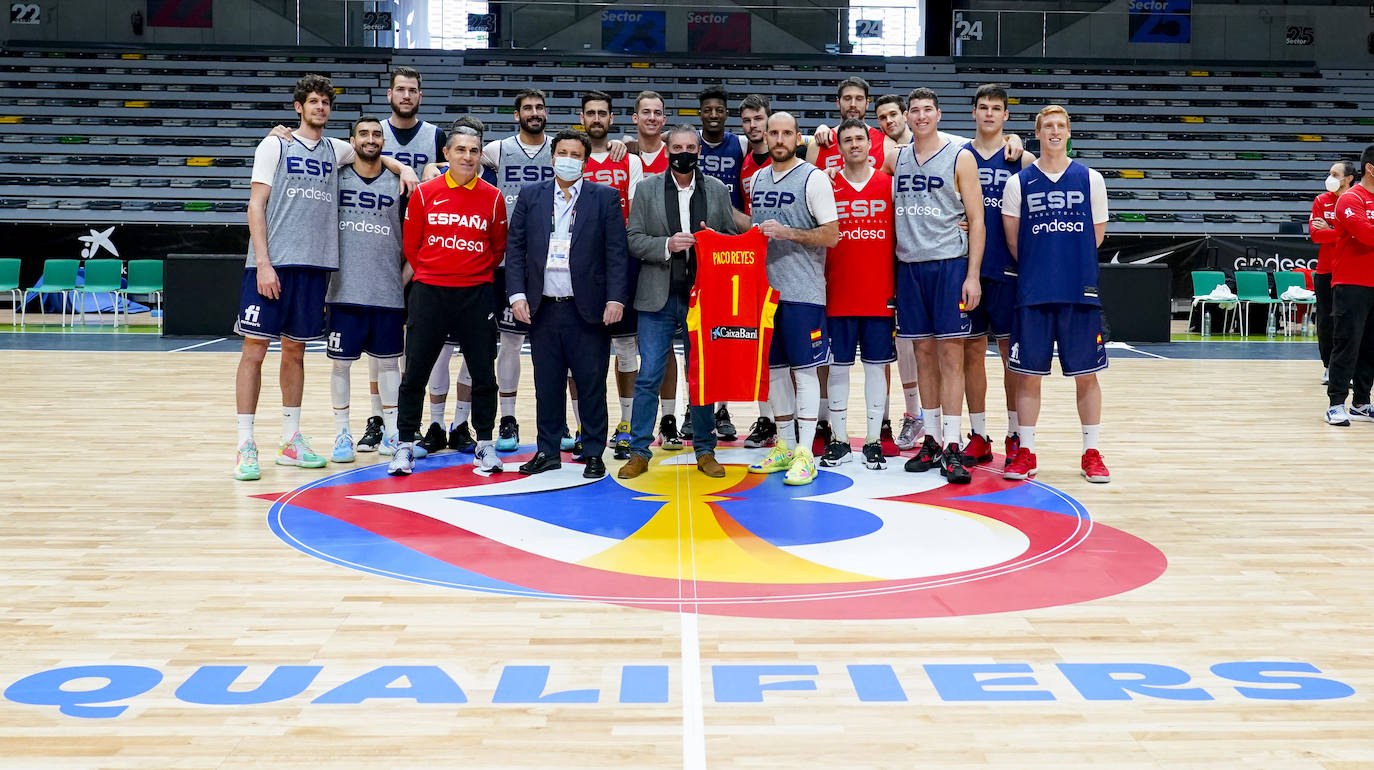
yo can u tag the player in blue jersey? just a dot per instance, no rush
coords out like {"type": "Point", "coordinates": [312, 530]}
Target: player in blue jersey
{"type": "Point", "coordinates": [993, 316]}
{"type": "Point", "coordinates": [1055, 215]}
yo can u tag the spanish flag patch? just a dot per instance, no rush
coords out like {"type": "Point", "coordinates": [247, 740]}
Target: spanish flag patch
{"type": "Point", "coordinates": [1099, 339]}
{"type": "Point", "coordinates": [815, 334]}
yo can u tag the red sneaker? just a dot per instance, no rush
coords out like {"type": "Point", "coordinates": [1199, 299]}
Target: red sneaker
{"type": "Point", "coordinates": [822, 439]}
{"type": "Point", "coordinates": [1022, 466]}
{"type": "Point", "coordinates": [1093, 468]}
{"type": "Point", "coordinates": [977, 451]}
{"type": "Point", "coordinates": [885, 440]}
{"type": "Point", "coordinates": [1013, 444]}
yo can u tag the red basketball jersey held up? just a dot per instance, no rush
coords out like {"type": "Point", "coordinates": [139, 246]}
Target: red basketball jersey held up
{"type": "Point", "coordinates": [859, 270]}
{"type": "Point", "coordinates": [612, 174]}
{"type": "Point", "coordinates": [730, 319]}
{"type": "Point", "coordinates": [829, 157]}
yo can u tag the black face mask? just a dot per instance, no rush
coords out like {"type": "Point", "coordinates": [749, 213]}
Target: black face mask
{"type": "Point", "coordinates": [682, 162]}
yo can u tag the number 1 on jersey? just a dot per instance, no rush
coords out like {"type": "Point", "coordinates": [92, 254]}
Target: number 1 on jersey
{"type": "Point", "coordinates": [734, 294]}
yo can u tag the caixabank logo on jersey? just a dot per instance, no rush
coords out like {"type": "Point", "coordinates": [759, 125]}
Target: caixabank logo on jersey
{"type": "Point", "coordinates": [855, 544]}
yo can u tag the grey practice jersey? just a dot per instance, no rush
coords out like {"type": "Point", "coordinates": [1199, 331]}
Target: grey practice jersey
{"type": "Point", "coordinates": [927, 208]}
{"type": "Point", "coordinates": [516, 168]}
{"type": "Point", "coordinates": [370, 257]}
{"type": "Point", "coordinates": [303, 208]}
{"type": "Point", "coordinates": [796, 271]}
{"type": "Point", "coordinates": [420, 148]}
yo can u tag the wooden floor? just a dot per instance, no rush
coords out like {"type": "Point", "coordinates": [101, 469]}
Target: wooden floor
{"type": "Point", "coordinates": [125, 542]}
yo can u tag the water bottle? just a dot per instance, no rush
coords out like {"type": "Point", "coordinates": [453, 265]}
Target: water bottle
{"type": "Point", "coordinates": [1269, 324]}
{"type": "Point", "coordinates": [1206, 321]}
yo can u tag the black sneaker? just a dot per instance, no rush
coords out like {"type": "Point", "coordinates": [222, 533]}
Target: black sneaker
{"type": "Point", "coordinates": [874, 459]}
{"type": "Point", "coordinates": [686, 431]}
{"type": "Point", "coordinates": [836, 453]}
{"type": "Point", "coordinates": [668, 437]}
{"type": "Point", "coordinates": [508, 434]}
{"type": "Point", "coordinates": [952, 465]}
{"type": "Point", "coordinates": [435, 440]}
{"type": "Point", "coordinates": [460, 438]}
{"type": "Point", "coordinates": [926, 458]}
{"type": "Point", "coordinates": [764, 432]}
{"type": "Point", "coordinates": [620, 440]}
{"type": "Point", "coordinates": [577, 447]}
{"type": "Point", "coordinates": [725, 429]}
{"type": "Point", "coordinates": [372, 435]}
{"type": "Point", "coordinates": [824, 436]}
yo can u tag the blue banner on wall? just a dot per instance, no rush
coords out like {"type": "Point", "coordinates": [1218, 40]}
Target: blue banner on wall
{"type": "Point", "coordinates": [1160, 21]}
{"type": "Point", "coordinates": [634, 31]}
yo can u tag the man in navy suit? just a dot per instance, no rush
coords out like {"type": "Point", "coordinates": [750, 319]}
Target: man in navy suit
{"type": "Point", "coordinates": [567, 271]}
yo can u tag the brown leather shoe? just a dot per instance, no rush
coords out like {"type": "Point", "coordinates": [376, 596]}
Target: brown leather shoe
{"type": "Point", "coordinates": [635, 467]}
{"type": "Point", "coordinates": [706, 463]}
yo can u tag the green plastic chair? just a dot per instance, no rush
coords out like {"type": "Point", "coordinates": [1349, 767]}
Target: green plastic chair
{"type": "Point", "coordinates": [103, 276]}
{"type": "Point", "coordinates": [1204, 281]}
{"type": "Point", "coordinates": [59, 277]}
{"type": "Point", "coordinates": [9, 281]}
{"type": "Point", "coordinates": [1252, 287]}
{"type": "Point", "coordinates": [1283, 280]}
{"type": "Point", "coordinates": [145, 277]}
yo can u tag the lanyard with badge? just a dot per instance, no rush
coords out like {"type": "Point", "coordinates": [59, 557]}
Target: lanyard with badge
{"type": "Point", "coordinates": [561, 245]}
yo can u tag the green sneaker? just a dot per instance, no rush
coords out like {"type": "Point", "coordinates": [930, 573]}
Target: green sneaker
{"type": "Point", "coordinates": [246, 468]}
{"type": "Point", "coordinates": [803, 469]}
{"type": "Point", "coordinates": [779, 458]}
{"type": "Point", "coordinates": [298, 453]}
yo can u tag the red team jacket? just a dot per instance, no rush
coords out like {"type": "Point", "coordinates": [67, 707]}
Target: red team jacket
{"type": "Point", "coordinates": [1354, 262]}
{"type": "Point", "coordinates": [859, 278]}
{"type": "Point", "coordinates": [730, 319]}
{"type": "Point", "coordinates": [455, 235]}
{"type": "Point", "coordinates": [1323, 209]}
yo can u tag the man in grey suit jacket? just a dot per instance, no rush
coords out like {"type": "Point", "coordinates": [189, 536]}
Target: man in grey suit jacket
{"type": "Point", "coordinates": [667, 209]}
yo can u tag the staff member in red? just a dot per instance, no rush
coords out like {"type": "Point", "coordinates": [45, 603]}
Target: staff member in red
{"type": "Point", "coordinates": [454, 236]}
{"type": "Point", "coordinates": [1352, 301]}
{"type": "Point", "coordinates": [1322, 230]}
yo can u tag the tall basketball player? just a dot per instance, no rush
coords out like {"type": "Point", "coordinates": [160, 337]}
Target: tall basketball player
{"type": "Point", "coordinates": [753, 118]}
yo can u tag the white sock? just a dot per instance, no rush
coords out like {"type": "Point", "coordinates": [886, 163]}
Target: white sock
{"type": "Point", "coordinates": [765, 409]}
{"type": "Point", "coordinates": [577, 415]}
{"type": "Point", "coordinates": [376, 400]}
{"type": "Point", "coordinates": [245, 428]}
{"type": "Point", "coordinates": [436, 411]}
{"type": "Point", "coordinates": [837, 393]}
{"type": "Point", "coordinates": [808, 405]}
{"type": "Point", "coordinates": [912, 398]}
{"type": "Point", "coordinates": [627, 406]}
{"type": "Point", "coordinates": [1013, 426]}
{"type": "Point", "coordinates": [290, 422]}
{"type": "Point", "coordinates": [462, 410]}
{"type": "Point", "coordinates": [875, 399]}
{"type": "Point", "coordinates": [388, 421]}
{"type": "Point", "coordinates": [1090, 436]}
{"type": "Point", "coordinates": [668, 406]}
{"type": "Point", "coordinates": [978, 422]}
{"type": "Point", "coordinates": [341, 420]}
{"type": "Point", "coordinates": [931, 419]}
{"type": "Point", "coordinates": [371, 381]}
{"type": "Point", "coordinates": [1028, 438]}
{"type": "Point", "coordinates": [823, 410]}
{"type": "Point", "coordinates": [950, 426]}
{"type": "Point", "coordinates": [507, 406]}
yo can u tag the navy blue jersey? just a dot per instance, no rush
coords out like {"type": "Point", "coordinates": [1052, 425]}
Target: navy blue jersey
{"type": "Point", "coordinates": [725, 161]}
{"type": "Point", "coordinates": [1057, 245]}
{"type": "Point", "coordinates": [993, 174]}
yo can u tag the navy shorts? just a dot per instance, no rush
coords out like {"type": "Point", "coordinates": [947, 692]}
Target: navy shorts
{"type": "Point", "coordinates": [505, 318]}
{"type": "Point", "coordinates": [354, 330]}
{"type": "Point", "coordinates": [870, 334]}
{"type": "Point", "coordinates": [296, 314]}
{"type": "Point", "coordinates": [627, 326]}
{"type": "Point", "coordinates": [1077, 329]}
{"type": "Point", "coordinates": [799, 338]}
{"type": "Point", "coordinates": [995, 313]}
{"type": "Point", "coordinates": [928, 299]}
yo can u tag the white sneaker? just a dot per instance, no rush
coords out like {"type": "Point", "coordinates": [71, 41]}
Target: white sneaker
{"type": "Point", "coordinates": [1362, 413]}
{"type": "Point", "coordinates": [343, 448]}
{"type": "Point", "coordinates": [1326, 376]}
{"type": "Point", "coordinates": [403, 461]}
{"type": "Point", "coordinates": [486, 460]}
{"type": "Point", "coordinates": [910, 433]}
{"type": "Point", "coordinates": [388, 446]}
{"type": "Point", "coordinates": [1337, 415]}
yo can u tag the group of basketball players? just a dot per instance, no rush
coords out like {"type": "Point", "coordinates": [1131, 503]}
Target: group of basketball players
{"type": "Point", "coordinates": [921, 245]}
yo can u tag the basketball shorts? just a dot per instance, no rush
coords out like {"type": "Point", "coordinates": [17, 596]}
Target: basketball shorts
{"type": "Point", "coordinates": [627, 326]}
{"type": "Point", "coordinates": [929, 295]}
{"type": "Point", "coordinates": [871, 335]}
{"type": "Point", "coordinates": [1076, 328]}
{"type": "Point", "coordinates": [799, 338]}
{"type": "Point", "coordinates": [994, 314]}
{"type": "Point", "coordinates": [505, 318]}
{"type": "Point", "coordinates": [296, 314]}
{"type": "Point", "coordinates": [354, 330]}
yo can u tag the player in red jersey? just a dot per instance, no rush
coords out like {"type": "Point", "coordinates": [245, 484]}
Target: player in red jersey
{"type": "Point", "coordinates": [858, 286]}
{"type": "Point", "coordinates": [1352, 301]}
{"type": "Point", "coordinates": [1322, 230]}
{"type": "Point", "coordinates": [753, 118]}
{"type": "Point", "coordinates": [851, 98]}
{"type": "Point", "coordinates": [649, 118]}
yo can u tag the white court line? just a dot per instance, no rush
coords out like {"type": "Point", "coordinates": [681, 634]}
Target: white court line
{"type": "Point", "coordinates": [1124, 346]}
{"type": "Point", "coordinates": [197, 345]}
{"type": "Point", "coordinates": [693, 718]}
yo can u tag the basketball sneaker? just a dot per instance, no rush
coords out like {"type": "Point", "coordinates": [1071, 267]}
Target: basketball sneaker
{"type": "Point", "coordinates": [402, 462]}
{"type": "Point", "coordinates": [565, 444]}
{"type": "Point", "coordinates": [952, 465]}
{"type": "Point", "coordinates": [978, 450]}
{"type": "Point", "coordinates": [460, 438]}
{"type": "Point", "coordinates": [886, 442]}
{"type": "Point", "coordinates": [246, 463]}
{"type": "Point", "coordinates": [725, 429]}
{"type": "Point", "coordinates": [1326, 376]}
{"type": "Point", "coordinates": [388, 446]}
{"type": "Point", "coordinates": [485, 460]}
{"type": "Point", "coordinates": [764, 432]}
{"type": "Point", "coordinates": [1012, 444]}
{"type": "Point", "coordinates": [298, 453]}
{"type": "Point", "coordinates": [508, 434]}
{"type": "Point", "coordinates": [577, 446]}
{"type": "Point", "coordinates": [779, 458]}
{"type": "Point", "coordinates": [823, 437]}
{"type": "Point", "coordinates": [686, 431]}
{"type": "Point", "coordinates": [874, 457]}
{"type": "Point", "coordinates": [1337, 415]}
{"type": "Point", "coordinates": [343, 449]}
{"type": "Point", "coordinates": [1361, 413]}
{"type": "Point", "coordinates": [927, 458]}
{"type": "Point", "coordinates": [621, 441]}
{"type": "Point", "coordinates": [668, 437]}
{"type": "Point", "coordinates": [1094, 469]}
{"type": "Point", "coordinates": [836, 453]}
{"type": "Point", "coordinates": [802, 471]}
{"type": "Point", "coordinates": [435, 440]}
{"type": "Point", "coordinates": [909, 434]}
{"type": "Point", "coordinates": [1021, 467]}
{"type": "Point", "coordinates": [372, 435]}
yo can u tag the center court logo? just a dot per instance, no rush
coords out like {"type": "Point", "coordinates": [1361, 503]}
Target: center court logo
{"type": "Point", "coordinates": [855, 544]}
